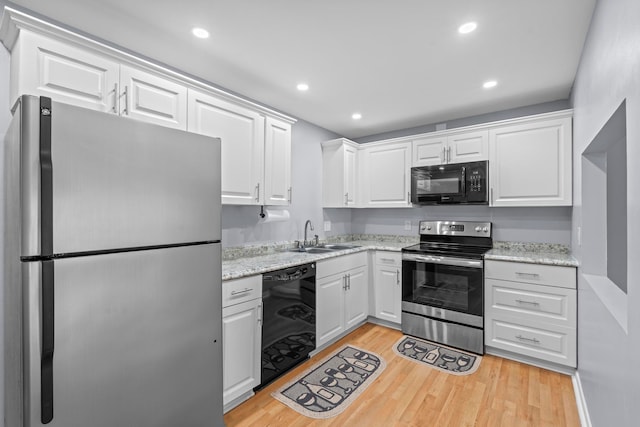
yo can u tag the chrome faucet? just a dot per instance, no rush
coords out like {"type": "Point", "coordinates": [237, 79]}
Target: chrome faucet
{"type": "Point", "coordinates": [307, 224]}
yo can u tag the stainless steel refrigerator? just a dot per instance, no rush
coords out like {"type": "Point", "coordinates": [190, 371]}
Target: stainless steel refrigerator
{"type": "Point", "coordinates": [112, 271]}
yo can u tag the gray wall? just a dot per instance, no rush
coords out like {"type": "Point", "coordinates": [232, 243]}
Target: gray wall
{"type": "Point", "coordinates": [542, 225]}
{"type": "Point", "coordinates": [608, 351]}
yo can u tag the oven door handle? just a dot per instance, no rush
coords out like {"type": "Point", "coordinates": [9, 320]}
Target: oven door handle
{"type": "Point", "coordinates": [459, 262]}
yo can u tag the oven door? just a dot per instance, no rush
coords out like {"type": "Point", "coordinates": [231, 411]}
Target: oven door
{"type": "Point", "coordinates": [448, 288]}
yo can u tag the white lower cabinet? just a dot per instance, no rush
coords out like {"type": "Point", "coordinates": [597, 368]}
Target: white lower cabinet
{"type": "Point", "coordinates": [342, 299]}
{"type": "Point", "coordinates": [387, 284]}
{"type": "Point", "coordinates": [530, 310]}
{"type": "Point", "coordinates": [241, 338]}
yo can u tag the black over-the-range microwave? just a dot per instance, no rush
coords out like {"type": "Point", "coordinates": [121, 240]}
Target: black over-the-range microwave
{"type": "Point", "coordinates": [458, 183]}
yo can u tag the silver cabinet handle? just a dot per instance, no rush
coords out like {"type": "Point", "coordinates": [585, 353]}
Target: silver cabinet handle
{"type": "Point", "coordinates": [449, 154]}
{"type": "Point", "coordinates": [244, 291]}
{"type": "Point", "coordinates": [491, 195]}
{"type": "Point", "coordinates": [408, 197]}
{"type": "Point", "coordinates": [533, 340]}
{"type": "Point", "coordinates": [444, 154]}
{"type": "Point", "coordinates": [397, 276]}
{"type": "Point", "coordinates": [260, 314]}
{"type": "Point", "coordinates": [126, 101]}
{"type": "Point", "coordinates": [258, 192]}
{"type": "Point", "coordinates": [115, 99]}
{"type": "Point", "coordinates": [520, 301]}
{"type": "Point", "coordinates": [346, 198]}
{"type": "Point", "coordinates": [344, 282]}
{"type": "Point", "coordinates": [531, 275]}
{"type": "Point", "coordinates": [386, 259]}
{"type": "Point", "coordinates": [290, 192]}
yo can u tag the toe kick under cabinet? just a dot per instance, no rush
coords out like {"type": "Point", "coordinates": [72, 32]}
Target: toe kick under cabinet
{"type": "Point", "coordinates": [530, 310]}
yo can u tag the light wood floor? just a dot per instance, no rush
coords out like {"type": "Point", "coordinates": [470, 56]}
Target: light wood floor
{"type": "Point", "coordinates": [500, 393]}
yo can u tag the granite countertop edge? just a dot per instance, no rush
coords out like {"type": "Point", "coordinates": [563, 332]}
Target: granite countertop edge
{"type": "Point", "coordinates": [250, 266]}
{"type": "Point", "coordinates": [532, 257]}
{"type": "Point", "coordinates": [503, 251]}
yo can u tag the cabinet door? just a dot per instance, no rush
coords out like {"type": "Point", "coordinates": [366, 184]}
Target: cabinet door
{"type": "Point", "coordinates": [388, 290]}
{"type": "Point", "coordinates": [350, 175]}
{"type": "Point", "coordinates": [148, 97]}
{"type": "Point", "coordinates": [468, 147]}
{"type": "Point", "coordinates": [356, 297]}
{"type": "Point", "coordinates": [429, 151]}
{"type": "Point", "coordinates": [387, 175]}
{"type": "Point", "coordinates": [242, 133]}
{"type": "Point", "coordinates": [46, 67]}
{"type": "Point", "coordinates": [241, 343]}
{"type": "Point", "coordinates": [277, 163]}
{"type": "Point", "coordinates": [531, 164]}
{"type": "Point", "coordinates": [330, 308]}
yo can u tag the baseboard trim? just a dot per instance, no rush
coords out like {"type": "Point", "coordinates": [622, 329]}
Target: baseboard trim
{"type": "Point", "coordinates": [581, 402]}
{"type": "Point", "coordinates": [550, 366]}
{"type": "Point", "coordinates": [237, 401]}
{"type": "Point", "coordinates": [384, 323]}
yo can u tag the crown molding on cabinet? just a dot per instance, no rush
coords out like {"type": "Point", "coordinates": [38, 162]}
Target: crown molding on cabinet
{"type": "Point", "coordinates": [13, 21]}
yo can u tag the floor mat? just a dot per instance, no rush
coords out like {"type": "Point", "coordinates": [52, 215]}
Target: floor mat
{"type": "Point", "coordinates": [331, 385]}
{"type": "Point", "coordinates": [446, 359]}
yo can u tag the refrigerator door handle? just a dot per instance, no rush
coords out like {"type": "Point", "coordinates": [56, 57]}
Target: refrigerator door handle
{"type": "Point", "coordinates": [46, 360]}
{"type": "Point", "coordinates": [46, 179]}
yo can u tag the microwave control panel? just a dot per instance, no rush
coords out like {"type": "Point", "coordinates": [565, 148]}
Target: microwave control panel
{"type": "Point", "coordinates": [476, 181]}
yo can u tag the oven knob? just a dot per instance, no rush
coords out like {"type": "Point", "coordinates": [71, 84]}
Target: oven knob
{"type": "Point", "coordinates": [478, 229]}
{"type": "Point", "coordinates": [486, 229]}
{"type": "Point", "coordinates": [428, 227]}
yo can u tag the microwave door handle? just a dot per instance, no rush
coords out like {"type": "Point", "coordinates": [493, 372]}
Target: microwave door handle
{"type": "Point", "coordinates": [464, 180]}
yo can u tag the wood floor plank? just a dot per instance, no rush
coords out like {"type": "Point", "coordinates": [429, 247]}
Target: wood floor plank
{"type": "Point", "coordinates": [500, 393]}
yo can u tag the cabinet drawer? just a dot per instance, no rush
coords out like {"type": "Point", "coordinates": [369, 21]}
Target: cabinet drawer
{"type": "Point", "coordinates": [549, 275]}
{"type": "Point", "coordinates": [328, 267]}
{"type": "Point", "coordinates": [241, 290]}
{"type": "Point", "coordinates": [555, 344]}
{"type": "Point", "coordinates": [534, 302]}
{"type": "Point", "coordinates": [388, 258]}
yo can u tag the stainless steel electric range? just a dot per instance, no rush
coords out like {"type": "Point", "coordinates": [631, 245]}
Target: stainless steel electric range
{"type": "Point", "coordinates": [443, 283]}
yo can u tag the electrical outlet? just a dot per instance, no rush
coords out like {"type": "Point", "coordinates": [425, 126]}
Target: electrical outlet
{"type": "Point", "coordinates": [407, 225]}
{"type": "Point", "coordinates": [327, 226]}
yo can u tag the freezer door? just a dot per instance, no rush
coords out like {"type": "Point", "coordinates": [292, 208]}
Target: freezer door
{"type": "Point", "coordinates": [136, 339]}
{"type": "Point", "coordinates": [114, 182]}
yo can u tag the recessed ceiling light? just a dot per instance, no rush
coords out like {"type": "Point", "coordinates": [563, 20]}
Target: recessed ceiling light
{"type": "Point", "coordinates": [200, 33]}
{"type": "Point", "coordinates": [302, 87]}
{"type": "Point", "coordinates": [356, 116]}
{"type": "Point", "coordinates": [489, 84]}
{"type": "Point", "coordinates": [467, 28]}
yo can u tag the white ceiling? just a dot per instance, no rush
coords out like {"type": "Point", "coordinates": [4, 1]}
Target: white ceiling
{"type": "Point", "coordinates": [399, 63]}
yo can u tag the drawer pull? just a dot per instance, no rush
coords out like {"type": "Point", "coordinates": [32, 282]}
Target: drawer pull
{"type": "Point", "coordinates": [531, 275]}
{"type": "Point", "coordinates": [533, 340]}
{"type": "Point", "coordinates": [244, 291]}
{"type": "Point", "coordinates": [520, 301]}
{"type": "Point", "coordinates": [386, 259]}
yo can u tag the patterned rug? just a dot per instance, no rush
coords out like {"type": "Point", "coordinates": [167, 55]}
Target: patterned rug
{"type": "Point", "coordinates": [331, 385]}
{"type": "Point", "coordinates": [444, 358]}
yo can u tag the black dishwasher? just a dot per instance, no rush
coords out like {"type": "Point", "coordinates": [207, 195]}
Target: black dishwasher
{"type": "Point", "coordinates": [288, 320]}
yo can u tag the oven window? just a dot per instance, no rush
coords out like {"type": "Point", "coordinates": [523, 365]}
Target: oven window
{"type": "Point", "coordinates": [444, 286]}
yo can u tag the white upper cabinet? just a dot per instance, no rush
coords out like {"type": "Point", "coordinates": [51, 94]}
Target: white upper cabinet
{"type": "Point", "coordinates": [47, 60]}
{"type": "Point", "coordinates": [46, 67]}
{"type": "Point", "coordinates": [339, 173]}
{"type": "Point", "coordinates": [242, 134]}
{"type": "Point", "coordinates": [151, 98]}
{"type": "Point", "coordinates": [531, 161]}
{"type": "Point", "coordinates": [460, 147]}
{"type": "Point", "coordinates": [277, 165]}
{"type": "Point", "coordinates": [386, 175]}
{"type": "Point", "coordinates": [63, 72]}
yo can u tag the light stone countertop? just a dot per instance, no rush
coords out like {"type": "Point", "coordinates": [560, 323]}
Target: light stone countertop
{"type": "Point", "coordinates": [532, 253]}
{"type": "Point", "coordinates": [249, 266]}
{"type": "Point", "coordinates": [264, 258]}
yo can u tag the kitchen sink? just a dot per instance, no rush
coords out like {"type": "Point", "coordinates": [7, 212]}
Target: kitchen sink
{"type": "Point", "coordinates": [323, 249]}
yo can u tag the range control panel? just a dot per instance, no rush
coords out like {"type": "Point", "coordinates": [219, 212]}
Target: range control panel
{"type": "Point", "coordinates": [455, 228]}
